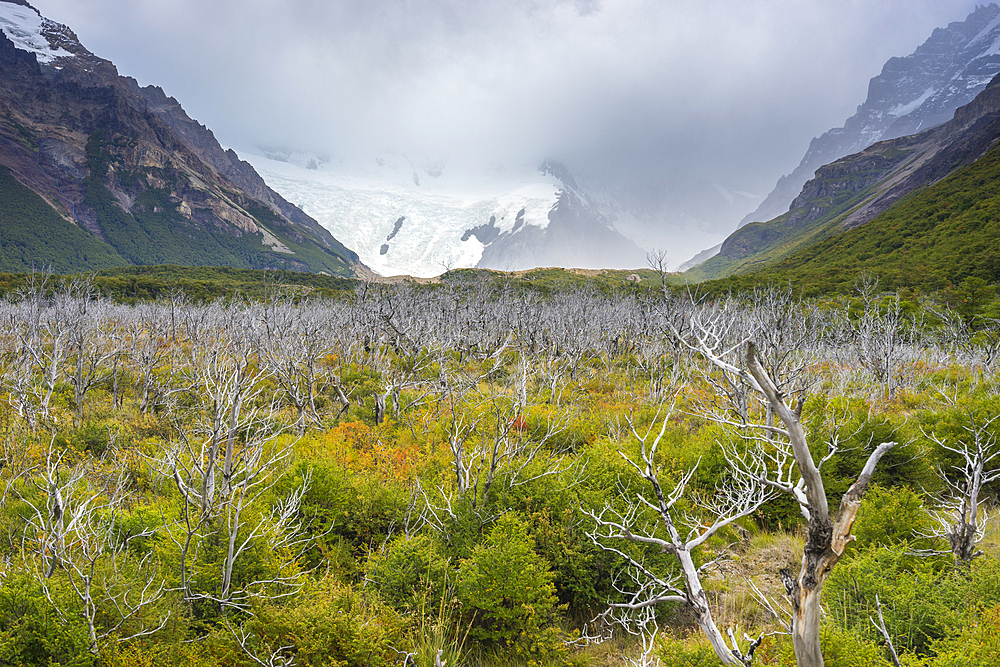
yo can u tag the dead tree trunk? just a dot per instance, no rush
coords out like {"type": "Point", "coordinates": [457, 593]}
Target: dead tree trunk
{"type": "Point", "coordinates": [959, 517]}
{"type": "Point", "coordinates": [826, 539]}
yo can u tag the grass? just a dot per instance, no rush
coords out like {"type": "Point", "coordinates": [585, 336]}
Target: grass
{"type": "Point", "coordinates": [755, 566]}
{"type": "Point", "coordinates": [991, 539]}
{"type": "Point", "coordinates": [441, 635]}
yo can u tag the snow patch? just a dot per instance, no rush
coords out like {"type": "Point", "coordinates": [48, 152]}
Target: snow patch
{"type": "Point", "coordinates": [993, 50]}
{"type": "Point", "coordinates": [24, 26]}
{"type": "Point", "coordinates": [905, 109]}
{"type": "Point", "coordinates": [985, 31]}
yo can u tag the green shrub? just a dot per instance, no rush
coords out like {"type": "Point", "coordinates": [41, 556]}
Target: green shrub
{"type": "Point", "coordinates": [888, 517]}
{"type": "Point", "coordinates": [841, 648]}
{"type": "Point", "coordinates": [32, 633]}
{"type": "Point", "coordinates": [411, 572]}
{"type": "Point", "coordinates": [157, 654]}
{"type": "Point", "coordinates": [920, 601]}
{"type": "Point", "coordinates": [582, 573]}
{"type": "Point", "coordinates": [550, 506]}
{"type": "Point", "coordinates": [330, 625]}
{"type": "Point", "coordinates": [341, 508]}
{"type": "Point", "coordinates": [978, 645]}
{"type": "Point", "coordinates": [506, 587]}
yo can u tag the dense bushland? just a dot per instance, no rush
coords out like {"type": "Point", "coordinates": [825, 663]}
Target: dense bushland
{"type": "Point", "coordinates": [472, 473]}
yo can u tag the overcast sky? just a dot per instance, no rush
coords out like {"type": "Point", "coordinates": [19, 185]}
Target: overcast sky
{"type": "Point", "coordinates": [728, 91]}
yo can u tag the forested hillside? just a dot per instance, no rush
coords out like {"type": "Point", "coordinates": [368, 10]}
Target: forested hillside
{"type": "Point", "coordinates": [482, 473]}
{"type": "Point", "coordinates": [934, 239]}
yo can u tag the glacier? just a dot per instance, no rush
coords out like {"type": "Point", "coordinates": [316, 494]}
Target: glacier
{"type": "Point", "coordinates": [360, 204]}
{"type": "Point", "coordinates": [26, 28]}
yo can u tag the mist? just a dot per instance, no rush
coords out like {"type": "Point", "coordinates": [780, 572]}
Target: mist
{"type": "Point", "coordinates": [704, 101]}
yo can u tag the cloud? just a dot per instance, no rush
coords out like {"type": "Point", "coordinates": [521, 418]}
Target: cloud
{"type": "Point", "coordinates": [674, 91]}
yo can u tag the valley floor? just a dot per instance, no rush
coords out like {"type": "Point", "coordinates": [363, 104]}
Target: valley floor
{"type": "Point", "coordinates": [479, 472]}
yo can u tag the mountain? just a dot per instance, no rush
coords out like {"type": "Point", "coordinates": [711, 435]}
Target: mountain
{"type": "Point", "coordinates": [577, 234]}
{"type": "Point", "coordinates": [911, 94]}
{"type": "Point", "coordinates": [857, 189]}
{"type": "Point", "coordinates": [423, 216]}
{"type": "Point", "coordinates": [941, 236]}
{"type": "Point", "coordinates": [97, 171]}
{"type": "Point", "coordinates": [699, 258]}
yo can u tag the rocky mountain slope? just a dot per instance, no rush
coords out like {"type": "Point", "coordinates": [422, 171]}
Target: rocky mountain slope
{"type": "Point", "coordinates": [99, 172]}
{"type": "Point", "coordinates": [578, 234]}
{"type": "Point", "coordinates": [422, 217]}
{"type": "Point", "coordinates": [911, 94]}
{"type": "Point", "coordinates": [944, 235]}
{"type": "Point", "coordinates": [856, 189]}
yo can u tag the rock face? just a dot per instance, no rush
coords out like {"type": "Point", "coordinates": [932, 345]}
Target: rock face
{"type": "Point", "coordinates": [911, 94]}
{"type": "Point", "coordinates": [578, 234]}
{"type": "Point", "coordinates": [126, 164]}
{"type": "Point", "coordinates": [855, 189]}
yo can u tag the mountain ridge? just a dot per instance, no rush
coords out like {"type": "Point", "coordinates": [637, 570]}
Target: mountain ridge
{"type": "Point", "coordinates": [955, 62]}
{"type": "Point", "coordinates": [107, 160]}
{"type": "Point", "coordinates": [858, 188]}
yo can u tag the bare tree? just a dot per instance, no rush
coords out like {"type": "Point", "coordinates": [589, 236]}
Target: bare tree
{"type": "Point", "coordinates": [490, 442]}
{"type": "Point", "coordinates": [291, 340]}
{"type": "Point", "coordinates": [880, 337]}
{"type": "Point", "coordinates": [42, 315]}
{"type": "Point", "coordinates": [677, 533]}
{"type": "Point", "coordinates": [226, 461]}
{"type": "Point", "coordinates": [18, 374]}
{"type": "Point", "coordinates": [76, 531]}
{"type": "Point", "coordinates": [959, 516]}
{"type": "Point", "coordinates": [494, 444]}
{"type": "Point", "coordinates": [92, 343]}
{"type": "Point", "coordinates": [150, 350]}
{"type": "Point", "coordinates": [657, 260]}
{"type": "Point", "coordinates": [790, 468]}
{"type": "Point", "coordinates": [973, 340]}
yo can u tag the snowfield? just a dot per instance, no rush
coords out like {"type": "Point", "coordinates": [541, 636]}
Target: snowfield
{"type": "Point", "coordinates": [362, 204]}
{"type": "Point", "coordinates": [24, 26]}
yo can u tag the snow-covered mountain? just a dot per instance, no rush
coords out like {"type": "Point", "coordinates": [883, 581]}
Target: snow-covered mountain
{"type": "Point", "coordinates": [911, 94]}
{"type": "Point", "coordinates": [31, 32]}
{"type": "Point", "coordinates": [421, 217]}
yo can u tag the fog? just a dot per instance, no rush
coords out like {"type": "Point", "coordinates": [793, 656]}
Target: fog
{"type": "Point", "coordinates": [706, 101]}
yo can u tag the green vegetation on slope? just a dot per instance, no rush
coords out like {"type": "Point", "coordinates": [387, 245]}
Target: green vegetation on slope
{"type": "Point", "coordinates": [33, 235]}
{"type": "Point", "coordinates": [337, 259]}
{"type": "Point", "coordinates": [205, 283]}
{"type": "Point", "coordinates": [132, 284]}
{"type": "Point", "coordinates": [156, 232]}
{"type": "Point", "coordinates": [838, 190]}
{"type": "Point", "coordinates": [550, 280]}
{"type": "Point", "coordinates": [935, 238]}
{"type": "Point", "coordinates": [763, 243]}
